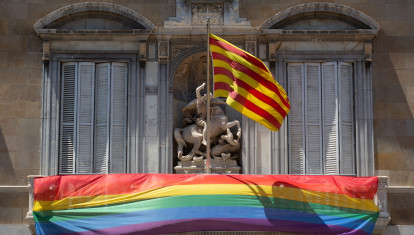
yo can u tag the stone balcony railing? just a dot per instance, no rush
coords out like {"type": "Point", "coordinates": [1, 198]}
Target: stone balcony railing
{"type": "Point", "coordinates": [380, 200]}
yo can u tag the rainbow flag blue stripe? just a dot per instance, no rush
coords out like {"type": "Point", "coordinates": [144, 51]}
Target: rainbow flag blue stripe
{"type": "Point", "coordinates": [162, 203]}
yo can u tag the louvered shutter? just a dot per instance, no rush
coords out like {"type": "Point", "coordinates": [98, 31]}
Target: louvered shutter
{"type": "Point", "coordinates": [313, 119]}
{"type": "Point", "coordinates": [118, 118]}
{"type": "Point", "coordinates": [346, 119]}
{"type": "Point", "coordinates": [296, 118]}
{"type": "Point", "coordinates": [102, 108]}
{"type": "Point", "coordinates": [68, 138]}
{"type": "Point", "coordinates": [330, 117]}
{"type": "Point", "coordinates": [85, 109]}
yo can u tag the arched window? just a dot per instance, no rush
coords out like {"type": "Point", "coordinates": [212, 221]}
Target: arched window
{"type": "Point", "coordinates": [322, 54]}
{"type": "Point", "coordinates": [91, 78]}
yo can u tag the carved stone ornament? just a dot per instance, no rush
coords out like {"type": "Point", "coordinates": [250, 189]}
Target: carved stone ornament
{"type": "Point", "coordinates": [195, 12]}
{"type": "Point", "coordinates": [46, 50]}
{"type": "Point", "coordinates": [177, 49]}
{"type": "Point", "coordinates": [251, 47]}
{"type": "Point", "coordinates": [163, 50]}
{"type": "Point", "coordinates": [142, 48]}
{"type": "Point", "coordinates": [200, 12]}
{"type": "Point", "coordinates": [192, 139]}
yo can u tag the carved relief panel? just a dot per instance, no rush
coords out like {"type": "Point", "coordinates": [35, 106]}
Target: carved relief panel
{"type": "Point", "coordinates": [163, 48]}
{"type": "Point", "coordinates": [251, 47]}
{"type": "Point", "coordinates": [195, 12]}
{"type": "Point", "coordinates": [201, 11]}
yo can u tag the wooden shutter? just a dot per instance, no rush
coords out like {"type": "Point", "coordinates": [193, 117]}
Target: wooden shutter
{"type": "Point", "coordinates": [118, 118]}
{"type": "Point", "coordinates": [102, 108]}
{"type": "Point", "coordinates": [346, 119]}
{"type": "Point", "coordinates": [313, 119]}
{"type": "Point", "coordinates": [330, 117]}
{"type": "Point", "coordinates": [68, 138]}
{"type": "Point", "coordinates": [85, 109]}
{"type": "Point", "coordinates": [296, 118]}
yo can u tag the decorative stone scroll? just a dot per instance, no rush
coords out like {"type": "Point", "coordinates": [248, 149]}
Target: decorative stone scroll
{"type": "Point", "coordinates": [368, 53]}
{"type": "Point", "coordinates": [142, 48]}
{"type": "Point", "coordinates": [46, 50]}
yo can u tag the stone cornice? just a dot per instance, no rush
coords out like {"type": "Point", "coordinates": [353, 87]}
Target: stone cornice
{"type": "Point", "coordinates": [277, 20]}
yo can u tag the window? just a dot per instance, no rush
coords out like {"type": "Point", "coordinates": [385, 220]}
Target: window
{"type": "Point", "coordinates": [321, 121]}
{"type": "Point", "coordinates": [93, 117]}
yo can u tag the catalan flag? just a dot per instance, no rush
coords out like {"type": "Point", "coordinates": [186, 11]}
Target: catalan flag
{"type": "Point", "coordinates": [174, 203]}
{"type": "Point", "coordinates": [248, 84]}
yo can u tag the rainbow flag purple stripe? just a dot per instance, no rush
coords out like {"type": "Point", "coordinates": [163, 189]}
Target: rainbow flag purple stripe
{"type": "Point", "coordinates": [162, 203]}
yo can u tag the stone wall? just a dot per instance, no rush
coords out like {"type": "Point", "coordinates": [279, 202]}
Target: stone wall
{"type": "Point", "coordinates": [21, 89]}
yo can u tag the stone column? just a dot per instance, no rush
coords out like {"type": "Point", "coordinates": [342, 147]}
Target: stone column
{"type": "Point", "coordinates": [164, 107]}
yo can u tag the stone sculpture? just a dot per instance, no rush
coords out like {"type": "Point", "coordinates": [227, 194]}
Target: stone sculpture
{"type": "Point", "coordinates": [223, 144]}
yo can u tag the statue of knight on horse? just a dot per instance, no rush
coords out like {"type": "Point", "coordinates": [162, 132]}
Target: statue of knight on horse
{"type": "Point", "coordinates": [195, 131]}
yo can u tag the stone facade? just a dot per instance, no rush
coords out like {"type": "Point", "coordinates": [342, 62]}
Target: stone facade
{"type": "Point", "coordinates": [165, 36]}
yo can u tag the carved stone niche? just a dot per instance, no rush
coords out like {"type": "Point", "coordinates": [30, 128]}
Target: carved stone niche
{"type": "Point", "coordinates": [190, 74]}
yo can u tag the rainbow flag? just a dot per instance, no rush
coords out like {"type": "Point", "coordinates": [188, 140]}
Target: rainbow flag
{"type": "Point", "coordinates": [171, 203]}
{"type": "Point", "coordinates": [248, 84]}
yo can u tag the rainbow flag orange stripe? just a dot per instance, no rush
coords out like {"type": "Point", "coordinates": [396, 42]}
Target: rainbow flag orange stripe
{"type": "Point", "coordinates": [164, 203]}
{"type": "Point", "coordinates": [248, 84]}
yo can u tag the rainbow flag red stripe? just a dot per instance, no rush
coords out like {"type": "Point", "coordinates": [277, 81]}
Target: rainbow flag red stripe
{"type": "Point", "coordinates": [165, 203]}
{"type": "Point", "coordinates": [248, 84]}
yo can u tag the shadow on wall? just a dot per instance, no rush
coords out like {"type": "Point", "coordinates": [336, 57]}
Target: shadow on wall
{"type": "Point", "coordinates": [393, 117]}
{"type": "Point", "coordinates": [7, 173]}
{"type": "Point", "coordinates": [393, 101]}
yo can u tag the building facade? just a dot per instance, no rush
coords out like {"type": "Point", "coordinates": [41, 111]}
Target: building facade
{"type": "Point", "coordinates": [98, 87]}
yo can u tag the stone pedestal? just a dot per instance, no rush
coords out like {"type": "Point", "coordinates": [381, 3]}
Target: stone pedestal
{"type": "Point", "coordinates": [218, 166]}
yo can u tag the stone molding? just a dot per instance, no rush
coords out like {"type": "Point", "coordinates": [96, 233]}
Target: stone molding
{"type": "Point", "coordinates": [14, 188]}
{"type": "Point", "coordinates": [401, 189]}
{"type": "Point", "coordinates": [277, 20]}
{"type": "Point", "coordinates": [104, 7]}
{"type": "Point", "coordinates": [141, 26]}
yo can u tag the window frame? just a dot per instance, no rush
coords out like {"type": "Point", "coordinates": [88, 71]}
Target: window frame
{"type": "Point", "coordinates": [363, 110]}
{"type": "Point", "coordinates": [51, 110]}
{"type": "Point", "coordinates": [310, 162]}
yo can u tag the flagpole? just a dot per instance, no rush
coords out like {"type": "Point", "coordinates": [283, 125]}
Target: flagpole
{"type": "Point", "coordinates": [208, 169]}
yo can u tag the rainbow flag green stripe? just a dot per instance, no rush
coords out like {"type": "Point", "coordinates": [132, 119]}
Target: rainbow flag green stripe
{"type": "Point", "coordinates": [202, 200]}
{"type": "Point", "coordinates": [248, 209]}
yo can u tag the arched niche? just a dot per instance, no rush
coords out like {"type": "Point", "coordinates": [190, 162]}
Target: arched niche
{"type": "Point", "coordinates": [304, 16]}
{"type": "Point", "coordinates": [91, 16]}
{"type": "Point", "coordinates": [189, 74]}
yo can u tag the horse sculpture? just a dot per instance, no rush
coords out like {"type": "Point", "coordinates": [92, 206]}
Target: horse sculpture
{"type": "Point", "coordinates": [195, 133]}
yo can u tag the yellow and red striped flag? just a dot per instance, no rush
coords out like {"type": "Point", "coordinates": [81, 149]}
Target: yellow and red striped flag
{"type": "Point", "coordinates": [248, 84]}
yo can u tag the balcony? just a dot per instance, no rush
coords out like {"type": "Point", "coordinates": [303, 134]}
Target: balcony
{"type": "Point", "coordinates": [380, 200]}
